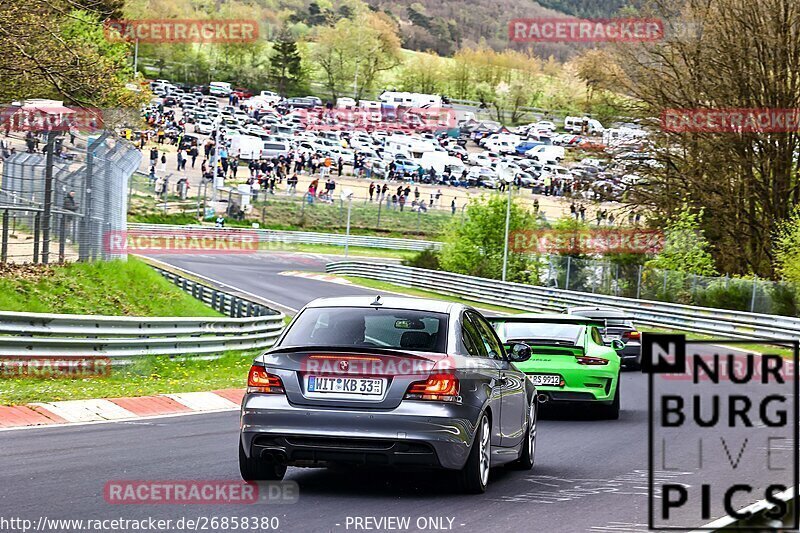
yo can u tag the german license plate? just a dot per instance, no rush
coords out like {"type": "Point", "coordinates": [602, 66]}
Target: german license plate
{"type": "Point", "coordinates": [550, 380]}
{"type": "Point", "coordinates": [350, 386]}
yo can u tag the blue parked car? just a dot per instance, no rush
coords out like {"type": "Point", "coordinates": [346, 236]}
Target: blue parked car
{"type": "Point", "coordinates": [405, 165]}
{"type": "Point", "coordinates": [523, 147]}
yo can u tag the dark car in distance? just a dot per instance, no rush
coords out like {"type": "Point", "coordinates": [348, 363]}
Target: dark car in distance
{"type": "Point", "coordinates": [617, 327]}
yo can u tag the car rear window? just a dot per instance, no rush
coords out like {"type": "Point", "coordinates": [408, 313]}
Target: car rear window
{"type": "Point", "coordinates": [369, 327]}
{"type": "Point", "coordinates": [541, 331]}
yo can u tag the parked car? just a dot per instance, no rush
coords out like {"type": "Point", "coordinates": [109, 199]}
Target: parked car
{"type": "Point", "coordinates": [204, 126]}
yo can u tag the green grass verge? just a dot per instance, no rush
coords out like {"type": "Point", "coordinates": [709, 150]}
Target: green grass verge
{"type": "Point", "coordinates": [291, 214]}
{"type": "Point", "coordinates": [129, 288]}
{"type": "Point", "coordinates": [145, 376]}
{"type": "Point", "coordinates": [786, 353]}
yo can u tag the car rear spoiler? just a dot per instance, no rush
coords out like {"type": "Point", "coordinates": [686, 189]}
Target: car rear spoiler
{"type": "Point", "coordinates": [568, 319]}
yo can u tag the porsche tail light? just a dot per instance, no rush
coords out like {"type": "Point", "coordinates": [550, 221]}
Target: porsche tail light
{"type": "Point", "coordinates": [632, 335]}
{"type": "Point", "coordinates": [259, 380]}
{"type": "Point", "coordinates": [438, 387]}
{"type": "Point", "coordinates": [591, 361]}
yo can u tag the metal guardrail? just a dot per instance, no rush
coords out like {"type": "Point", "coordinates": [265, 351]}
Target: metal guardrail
{"type": "Point", "coordinates": [733, 324]}
{"type": "Point", "coordinates": [300, 237]}
{"type": "Point", "coordinates": [249, 325]}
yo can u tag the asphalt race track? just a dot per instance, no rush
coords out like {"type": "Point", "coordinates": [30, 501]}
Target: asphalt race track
{"type": "Point", "coordinates": [589, 476]}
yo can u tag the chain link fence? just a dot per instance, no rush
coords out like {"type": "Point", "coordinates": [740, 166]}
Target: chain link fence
{"type": "Point", "coordinates": [632, 280]}
{"type": "Point", "coordinates": [57, 205]}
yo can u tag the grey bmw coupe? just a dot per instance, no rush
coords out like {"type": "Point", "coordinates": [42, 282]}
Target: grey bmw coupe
{"type": "Point", "coordinates": [388, 381]}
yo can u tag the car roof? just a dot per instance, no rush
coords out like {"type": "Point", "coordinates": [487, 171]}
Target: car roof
{"type": "Point", "coordinates": [388, 302]}
{"type": "Point", "coordinates": [549, 318]}
{"type": "Point", "coordinates": [597, 311]}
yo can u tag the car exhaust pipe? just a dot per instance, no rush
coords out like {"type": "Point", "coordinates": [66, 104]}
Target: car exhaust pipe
{"type": "Point", "coordinates": [542, 398]}
{"type": "Point", "coordinates": [275, 456]}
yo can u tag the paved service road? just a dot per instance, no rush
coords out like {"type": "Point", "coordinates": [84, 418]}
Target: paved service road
{"type": "Point", "coordinates": [589, 475]}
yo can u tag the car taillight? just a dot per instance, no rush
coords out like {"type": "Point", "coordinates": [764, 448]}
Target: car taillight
{"type": "Point", "coordinates": [591, 361]}
{"type": "Point", "coordinates": [259, 380]}
{"type": "Point", "coordinates": [632, 335]}
{"type": "Point", "coordinates": [438, 387]}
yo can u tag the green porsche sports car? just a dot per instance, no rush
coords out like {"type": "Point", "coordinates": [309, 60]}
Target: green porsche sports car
{"type": "Point", "coordinates": [570, 362]}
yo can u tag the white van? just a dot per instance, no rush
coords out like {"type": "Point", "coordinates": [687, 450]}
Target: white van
{"type": "Point", "coordinates": [270, 149]}
{"type": "Point", "coordinates": [345, 103]}
{"type": "Point", "coordinates": [245, 146]}
{"type": "Point", "coordinates": [270, 97]}
{"type": "Point", "coordinates": [546, 151]}
{"type": "Point", "coordinates": [438, 161]}
{"type": "Point", "coordinates": [219, 88]}
{"type": "Point", "coordinates": [501, 146]}
{"type": "Point", "coordinates": [575, 125]}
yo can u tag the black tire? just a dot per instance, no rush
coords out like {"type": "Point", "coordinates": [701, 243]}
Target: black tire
{"type": "Point", "coordinates": [471, 477]}
{"type": "Point", "coordinates": [527, 457]}
{"type": "Point", "coordinates": [611, 412]}
{"type": "Point", "coordinates": [256, 469]}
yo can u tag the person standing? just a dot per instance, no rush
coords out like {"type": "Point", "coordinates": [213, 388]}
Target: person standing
{"type": "Point", "coordinates": [453, 206]}
{"type": "Point", "coordinates": [194, 153]}
{"type": "Point", "coordinates": [371, 190]}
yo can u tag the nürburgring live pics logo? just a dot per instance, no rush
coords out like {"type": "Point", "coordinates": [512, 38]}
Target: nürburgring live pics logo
{"type": "Point", "coordinates": [727, 415]}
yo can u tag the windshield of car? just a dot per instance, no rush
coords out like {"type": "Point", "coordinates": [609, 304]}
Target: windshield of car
{"type": "Point", "coordinates": [541, 332]}
{"type": "Point", "coordinates": [369, 327]}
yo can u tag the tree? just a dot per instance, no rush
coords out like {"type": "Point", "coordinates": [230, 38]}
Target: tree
{"type": "Point", "coordinates": [286, 66]}
{"type": "Point", "coordinates": [48, 50]}
{"type": "Point", "coordinates": [685, 248]}
{"type": "Point", "coordinates": [741, 55]}
{"type": "Point", "coordinates": [475, 247]}
{"type": "Point", "coordinates": [787, 247]}
{"type": "Point", "coordinates": [422, 74]}
{"type": "Point", "coordinates": [353, 53]}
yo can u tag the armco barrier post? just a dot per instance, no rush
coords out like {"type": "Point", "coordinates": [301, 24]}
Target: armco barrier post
{"type": "Point", "coordinates": [639, 283]}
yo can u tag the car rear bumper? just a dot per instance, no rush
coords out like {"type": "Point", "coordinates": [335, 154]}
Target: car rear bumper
{"type": "Point", "coordinates": [596, 386]}
{"type": "Point", "coordinates": [415, 433]}
{"type": "Point", "coordinates": [631, 355]}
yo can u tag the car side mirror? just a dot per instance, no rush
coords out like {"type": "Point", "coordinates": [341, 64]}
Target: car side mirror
{"type": "Point", "coordinates": [617, 344]}
{"type": "Point", "coordinates": [519, 352]}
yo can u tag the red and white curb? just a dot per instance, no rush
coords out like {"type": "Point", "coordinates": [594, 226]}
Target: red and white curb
{"type": "Point", "coordinates": [330, 278]}
{"type": "Point", "coordinates": [113, 409]}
